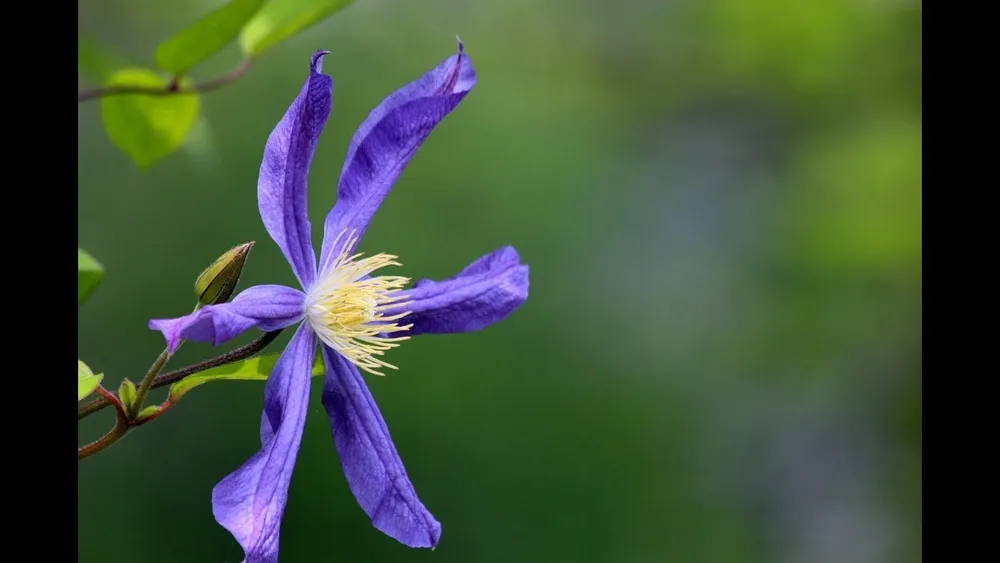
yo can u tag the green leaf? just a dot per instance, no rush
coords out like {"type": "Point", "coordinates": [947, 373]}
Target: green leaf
{"type": "Point", "coordinates": [126, 392]}
{"type": "Point", "coordinates": [253, 369]}
{"type": "Point", "coordinates": [281, 19]}
{"type": "Point", "coordinates": [89, 274]}
{"type": "Point", "coordinates": [205, 37]}
{"type": "Point", "coordinates": [148, 411]}
{"type": "Point", "coordinates": [147, 128]}
{"type": "Point", "coordinates": [87, 380]}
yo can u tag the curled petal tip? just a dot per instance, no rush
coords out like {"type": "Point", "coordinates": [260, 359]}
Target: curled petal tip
{"type": "Point", "coordinates": [435, 537]}
{"type": "Point", "coordinates": [461, 46]}
{"type": "Point", "coordinates": [167, 327]}
{"type": "Point", "coordinates": [316, 62]}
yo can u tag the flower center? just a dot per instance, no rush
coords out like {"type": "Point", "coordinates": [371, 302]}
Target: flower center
{"type": "Point", "coordinates": [346, 307]}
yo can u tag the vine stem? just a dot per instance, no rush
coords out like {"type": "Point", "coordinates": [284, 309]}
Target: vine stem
{"type": "Point", "coordinates": [171, 89]}
{"type": "Point", "coordinates": [126, 414]}
{"type": "Point", "coordinates": [146, 384]}
{"type": "Point", "coordinates": [120, 429]}
{"type": "Point", "coordinates": [170, 377]}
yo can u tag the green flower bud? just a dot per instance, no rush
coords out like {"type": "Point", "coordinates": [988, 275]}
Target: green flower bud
{"type": "Point", "coordinates": [126, 393]}
{"type": "Point", "coordinates": [217, 283]}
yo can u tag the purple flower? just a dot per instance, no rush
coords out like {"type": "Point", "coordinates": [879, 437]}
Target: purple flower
{"type": "Point", "coordinates": [354, 315]}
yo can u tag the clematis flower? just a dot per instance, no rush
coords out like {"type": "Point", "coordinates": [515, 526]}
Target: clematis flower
{"type": "Point", "coordinates": [353, 313]}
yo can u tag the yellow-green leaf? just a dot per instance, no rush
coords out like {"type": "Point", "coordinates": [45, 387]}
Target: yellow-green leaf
{"type": "Point", "coordinates": [89, 274]}
{"type": "Point", "coordinates": [147, 128]}
{"type": "Point", "coordinates": [87, 380]}
{"type": "Point", "coordinates": [280, 19]}
{"type": "Point", "coordinates": [253, 369]}
{"type": "Point", "coordinates": [205, 37]}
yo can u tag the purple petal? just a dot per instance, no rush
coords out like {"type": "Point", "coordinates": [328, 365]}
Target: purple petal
{"type": "Point", "coordinates": [267, 307]}
{"type": "Point", "coordinates": [266, 432]}
{"type": "Point", "coordinates": [385, 142]}
{"type": "Point", "coordinates": [372, 467]}
{"type": "Point", "coordinates": [250, 501]}
{"type": "Point", "coordinates": [485, 292]}
{"type": "Point", "coordinates": [281, 187]}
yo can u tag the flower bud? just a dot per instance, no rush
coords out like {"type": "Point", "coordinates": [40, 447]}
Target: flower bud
{"type": "Point", "coordinates": [126, 393]}
{"type": "Point", "coordinates": [217, 283]}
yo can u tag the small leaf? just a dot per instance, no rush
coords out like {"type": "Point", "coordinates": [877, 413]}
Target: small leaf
{"type": "Point", "coordinates": [89, 274]}
{"type": "Point", "coordinates": [148, 411]}
{"type": "Point", "coordinates": [88, 381]}
{"type": "Point", "coordinates": [205, 37]}
{"type": "Point", "coordinates": [147, 128]}
{"type": "Point", "coordinates": [253, 369]}
{"type": "Point", "coordinates": [281, 19]}
{"type": "Point", "coordinates": [126, 392]}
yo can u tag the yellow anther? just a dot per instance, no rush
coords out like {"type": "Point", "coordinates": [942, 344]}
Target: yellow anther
{"type": "Point", "coordinates": [347, 310]}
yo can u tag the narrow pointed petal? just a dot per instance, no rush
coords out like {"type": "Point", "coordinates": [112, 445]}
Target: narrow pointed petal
{"type": "Point", "coordinates": [370, 461]}
{"type": "Point", "coordinates": [485, 292]}
{"type": "Point", "coordinates": [383, 145]}
{"type": "Point", "coordinates": [266, 307]}
{"type": "Point", "coordinates": [281, 187]}
{"type": "Point", "coordinates": [250, 501]}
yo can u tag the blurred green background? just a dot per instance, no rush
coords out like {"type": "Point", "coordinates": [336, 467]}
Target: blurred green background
{"type": "Point", "coordinates": [720, 359]}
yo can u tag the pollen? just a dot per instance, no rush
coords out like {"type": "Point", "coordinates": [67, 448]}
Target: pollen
{"type": "Point", "coordinates": [346, 307]}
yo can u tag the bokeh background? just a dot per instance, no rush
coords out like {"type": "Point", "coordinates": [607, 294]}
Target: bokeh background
{"type": "Point", "coordinates": [720, 360]}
